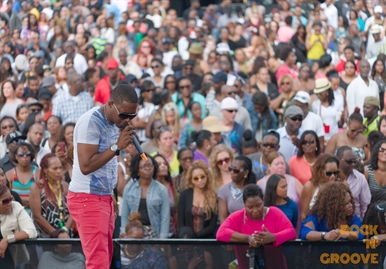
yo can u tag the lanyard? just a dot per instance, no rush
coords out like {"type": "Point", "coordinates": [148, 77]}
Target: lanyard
{"type": "Point", "coordinates": [58, 200]}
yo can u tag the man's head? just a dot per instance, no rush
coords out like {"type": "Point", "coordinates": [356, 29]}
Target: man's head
{"type": "Point", "coordinates": [334, 79]}
{"type": "Point", "coordinates": [376, 32]}
{"type": "Point", "coordinates": [45, 97]}
{"type": "Point", "coordinates": [302, 100]}
{"type": "Point", "coordinates": [69, 48]}
{"type": "Point", "coordinates": [364, 69]}
{"type": "Point", "coordinates": [371, 107]}
{"type": "Point", "coordinates": [270, 143]}
{"type": "Point", "coordinates": [349, 53]}
{"type": "Point", "coordinates": [219, 80]}
{"type": "Point", "coordinates": [347, 159]}
{"type": "Point", "coordinates": [293, 118]}
{"type": "Point", "coordinates": [353, 30]}
{"type": "Point", "coordinates": [166, 44]}
{"type": "Point", "coordinates": [34, 106]}
{"type": "Point", "coordinates": [188, 67]}
{"type": "Point", "coordinates": [35, 135]}
{"type": "Point", "coordinates": [75, 82]}
{"type": "Point", "coordinates": [122, 56]}
{"type": "Point", "coordinates": [112, 69]}
{"type": "Point", "coordinates": [185, 87]}
{"type": "Point", "coordinates": [35, 37]}
{"type": "Point", "coordinates": [122, 106]}
{"type": "Point", "coordinates": [228, 91]}
{"type": "Point", "coordinates": [12, 140]}
{"type": "Point", "coordinates": [49, 83]}
{"type": "Point", "coordinates": [378, 12]}
{"type": "Point", "coordinates": [229, 109]}
{"type": "Point", "coordinates": [33, 85]}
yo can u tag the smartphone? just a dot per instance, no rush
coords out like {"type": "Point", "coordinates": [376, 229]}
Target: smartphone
{"type": "Point", "coordinates": [62, 146]}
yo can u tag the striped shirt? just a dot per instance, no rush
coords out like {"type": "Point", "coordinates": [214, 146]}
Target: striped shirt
{"type": "Point", "coordinates": [23, 189]}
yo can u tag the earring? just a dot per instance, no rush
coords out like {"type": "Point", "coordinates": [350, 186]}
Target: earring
{"type": "Point", "coordinates": [245, 176]}
{"type": "Point", "coordinates": [316, 148]}
{"type": "Point", "coordinates": [208, 147]}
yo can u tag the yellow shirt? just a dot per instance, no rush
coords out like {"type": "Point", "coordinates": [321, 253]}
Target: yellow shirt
{"type": "Point", "coordinates": [174, 165]}
{"type": "Point", "coordinates": [317, 50]}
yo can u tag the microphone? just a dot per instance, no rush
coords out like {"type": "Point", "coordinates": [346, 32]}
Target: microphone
{"type": "Point", "coordinates": [136, 144]}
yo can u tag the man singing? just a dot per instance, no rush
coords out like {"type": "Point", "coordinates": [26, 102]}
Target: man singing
{"type": "Point", "coordinates": [97, 142]}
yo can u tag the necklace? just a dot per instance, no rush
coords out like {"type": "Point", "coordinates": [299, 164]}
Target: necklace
{"type": "Point", "coordinates": [58, 199]}
{"type": "Point", "coordinates": [131, 257]}
{"type": "Point", "coordinates": [348, 142]}
{"type": "Point", "coordinates": [112, 86]}
{"type": "Point", "coordinates": [311, 164]}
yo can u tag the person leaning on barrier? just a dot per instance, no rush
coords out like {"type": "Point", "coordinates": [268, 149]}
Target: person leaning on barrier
{"type": "Point", "coordinates": [15, 225]}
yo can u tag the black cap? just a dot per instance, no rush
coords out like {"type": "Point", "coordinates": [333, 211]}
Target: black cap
{"type": "Point", "coordinates": [220, 76]}
{"type": "Point", "coordinates": [273, 132]}
{"type": "Point", "coordinates": [190, 62]}
{"type": "Point", "coordinates": [131, 78]}
{"type": "Point", "coordinates": [16, 135]}
{"type": "Point", "coordinates": [35, 103]}
{"type": "Point", "coordinates": [45, 94]}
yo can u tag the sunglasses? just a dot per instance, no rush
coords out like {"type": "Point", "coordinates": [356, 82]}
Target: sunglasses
{"type": "Point", "coordinates": [6, 201]}
{"type": "Point", "coordinates": [22, 154]}
{"type": "Point", "coordinates": [202, 177]}
{"type": "Point", "coordinates": [36, 110]}
{"type": "Point", "coordinates": [308, 142]}
{"type": "Point", "coordinates": [300, 119]}
{"type": "Point", "coordinates": [185, 87]}
{"type": "Point", "coordinates": [236, 171]}
{"type": "Point", "coordinates": [285, 83]}
{"type": "Point", "coordinates": [356, 131]}
{"type": "Point", "coordinates": [231, 110]}
{"type": "Point", "coordinates": [230, 93]}
{"type": "Point", "coordinates": [187, 159]}
{"type": "Point", "coordinates": [221, 162]}
{"type": "Point", "coordinates": [335, 173]}
{"type": "Point", "coordinates": [381, 150]}
{"type": "Point", "coordinates": [350, 161]}
{"type": "Point", "coordinates": [170, 81]}
{"type": "Point", "coordinates": [272, 146]}
{"type": "Point", "coordinates": [148, 90]}
{"type": "Point", "coordinates": [124, 116]}
{"type": "Point", "coordinates": [155, 66]}
{"type": "Point", "coordinates": [188, 67]}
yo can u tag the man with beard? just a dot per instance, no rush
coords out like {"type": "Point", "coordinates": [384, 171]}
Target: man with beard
{"type": "Point", "coordinates": [34, 137]}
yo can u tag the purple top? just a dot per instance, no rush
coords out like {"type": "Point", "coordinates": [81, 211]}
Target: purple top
{"type": "Point", "coordinates": [199, 156]}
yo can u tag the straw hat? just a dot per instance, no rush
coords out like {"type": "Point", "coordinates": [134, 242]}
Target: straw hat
{"type": "Point", "coordinates": [321, 85]}
{"type": "Point", "coordinates": [213, 125]}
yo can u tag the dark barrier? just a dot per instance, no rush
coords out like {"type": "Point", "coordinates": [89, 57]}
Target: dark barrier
{"type": "Point", "coordinates": [182, 254]}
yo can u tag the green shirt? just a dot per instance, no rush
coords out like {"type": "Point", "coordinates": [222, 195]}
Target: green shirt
{"type": "Point", "coordinates": [373, 126]}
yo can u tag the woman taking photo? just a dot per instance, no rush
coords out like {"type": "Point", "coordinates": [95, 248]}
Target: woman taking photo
{"type": "Point", "coordinates": [349, 74]}
{"type": "Point", "coordinates": [147, 196]}
{"type": "Point", "coordinates": [276, 195]}
{"type": "Point", "coordinates": [15, 225]}
{"type": "Point", "coordinates": [326, 169]}
{"type": "Point", "coordinates": [230, 196]}
{"type": "Point", "coordinates": [219, 161]}
{"type": "Point", "coordinates": [257, 225]}
{"type": "Point", "coordinates": [308, 152]}
{"type": "Point", "coordinates": [49, 204]}
{"type": "Point", "coordinates": [352, 137]}
{"type": "Point", "coordinates": [54, 125]}
{"type": "Point", "coordinates": [166, 142]}
{"type": "Point", "coordinates": [205, 142]}
{"type": "Point", "coordinates": [276, 165]}
{"type": "Point", "coordinates": [185, 157]}
{"type": "Point", "coordinates": [192, 126]}
{"type": "Point", "coordinates": [375, 172]}
{"type": "Point", "coordinates": [316, 43]}
{"type": "Point", "coordinates": [9, 101]}
{"type": "Point", "coordinates": [197, 206]}
{"type": "Point", "coordinates": [61, 151]}
{"type": "Point", "coordinates": [325, 221]}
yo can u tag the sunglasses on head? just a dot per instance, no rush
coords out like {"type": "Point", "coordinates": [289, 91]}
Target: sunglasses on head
{"type": "Point", "coordinates": [231, 110]}
{"type": "Point", "coordinates": [235, 170]}
{"type": "Point", "coordinates": [6, 201]}
{"type": "Point", "coordinates": [309, 142]}
{"type": "Point", "coordinates": [226, 160]}
{"type": "Point", "coordinates": [124, 116]}
{"type": "Point", "coordinates": [335, 173]}
{"type": "Point", "coordinates": [350, 161]}
{"type": "Point", "coordinates": [272, 146]}
{"type": "Point", "coordinates": [22, 154]}
{"type": "Point", "coordinates": [297, 119]}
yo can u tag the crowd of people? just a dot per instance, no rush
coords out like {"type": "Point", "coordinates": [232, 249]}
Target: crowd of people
{"type": "Point", "coordinates": [260, 122]}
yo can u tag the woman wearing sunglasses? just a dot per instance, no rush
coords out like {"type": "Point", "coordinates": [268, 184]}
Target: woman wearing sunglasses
{"type": "Point", "coordinates": [49, 204]}
{"type": "Point", "coordinates": [15, 225]}
{"type": "Point", "coordinates": [24, 174]}
{"type": "Point", "coordinates": [308, 151]}
{"type": "Point", "coordinates": [197, 206]}
{"type": "Point", "coordinates": [352, 137]}
{"type": "Point", "coordinates": [219, 160]}
{"type": "Point", "coordinates": [333, 208]}
{"type": "Point", "coordinates": [276, 165]}
{"type": "Point", "coordinates": [157, 66]}
{"type": "Point", "coordinates": [326, 169]}
{"type": "Point", "coordinates": [375, 171]}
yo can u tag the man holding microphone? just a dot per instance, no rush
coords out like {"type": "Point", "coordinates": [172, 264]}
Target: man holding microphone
{"type": "Point", "coordinates": [97, 142]}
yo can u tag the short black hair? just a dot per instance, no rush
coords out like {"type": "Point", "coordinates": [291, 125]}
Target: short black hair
{"type": "Point", "coordinates": [29, 147]}
{"type": "Point", "coordinates": [134, 166]}
{"type": "Point", "coordinates": [341, 150]}
{"type": "Point", "coordinates": [251, 191]}
{"type": "Point", "coordinates": [124, 93]}
{"type": "Point", "coordinates": [300, 149]}
{"type": "Point", "coordinates": [349, 47]}
{"type": "Point", "coordinates": [32, 78]}
{"type": "Point", "coordinates": [200, 137]}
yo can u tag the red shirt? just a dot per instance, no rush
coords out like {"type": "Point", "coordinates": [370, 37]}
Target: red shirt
{"type": "Point", "coordinates": [340, 66]}
{"type": "Point", "coordinates": [103, 91]}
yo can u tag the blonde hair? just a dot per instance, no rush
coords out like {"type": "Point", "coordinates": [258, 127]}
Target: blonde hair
{"type": "Point", "coordinates": [216, 173]}
{"type": "Point", "coordinates": [171, 106]}
{"type": "Point", "coordinates": [210, 205]}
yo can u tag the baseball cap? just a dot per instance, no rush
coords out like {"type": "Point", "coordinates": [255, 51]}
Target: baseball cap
{"type": "Point", "coordinates": [229, 103]}
{"type": "Point", "coordinates": [220, 76]}
{"type": "Point", "coordinates": [378, 9]}
{"type": "Point", "coordinates": [12, 136]}
{"type": "Point", "coordinates": [38, 54]}
{"type": "Point", "coordinates": [303, 97]}
{"type": "Point", "coordinates": [273, 132]}
{"type": "Point", "coordinates": [112, 64]}
{"type": "Point", "coordinates": [45, 94]}
{"type": "Point", "coordinates": [293, 111]}
{"type": "Point", "coordinates": [35, 103]}
{"type": "Point", "coordinates": [189, 62]}
{"type": "Point", "coordinates": [21, 62]}
{"type": "Point", "coordinates": [48, 81]}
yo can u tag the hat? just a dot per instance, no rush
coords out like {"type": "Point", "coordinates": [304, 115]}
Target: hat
{"type": "Point", "coordinates": [273, 132]}
{"type": "Point", "coordinates": [47, 67]}
{"type": "Point", "coordinates": [112, 64]}
{"type": "Point", "coordinates": [48, 11]}
{"type": "Point", "coordinates": [303, 97]}
{"type": "Point", "coordinates": [38, 54]}
{"type": "Point", "coordinates": [371, 100]}
{"type": "Point", "coordinates": [16, 135]}
{"type": "Point", "coordinates": [229, 103]}
{"type": "Point", "coordinates": [48, 81]}
{"type": "Point", "coordinates": [45, 2]}
{"type": "Point", "coordinates": [196, 48]}
{"type": "Point", "coordinates": [222, 48]}
{"type": "Point", "coordinates": [21, 62]}
{"type": "Point", "coordinates": [213, 125]}
{"type": "Point", "coordinates": [293, 111]}
{"type": "Point", "coordinates": [35, 12]}
{"type": "Point", "coordinates": [35, 103]}
{"type": "Point", "coordinates": [130, 78]}
{"type": "Point", "coordinates": [378, 9]}
{"type": "Point", "coordinates": [220, 76]}
{"type": "Point", "coordinates": [190, 62]}
{"type": "Point", "coordinates": [375, 29]}
{"type": "Point", "coordinates": [45, 94]}
{"type": "Point", "coordinates": [321, 85]}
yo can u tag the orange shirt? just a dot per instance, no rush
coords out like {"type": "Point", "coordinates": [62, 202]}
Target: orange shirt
{"type": "Point", "coordinates": [300, 169]}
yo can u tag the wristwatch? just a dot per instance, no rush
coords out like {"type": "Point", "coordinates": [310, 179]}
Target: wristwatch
{"type": "Point", "coordinates": [115, 148]}
{"type": "Point", "coordinates": [11, 239]}
{"type": "Point", "coordinates": [323, 234]}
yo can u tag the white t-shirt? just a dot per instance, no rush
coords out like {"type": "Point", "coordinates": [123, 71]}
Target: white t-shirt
{"type": "Point", "coordinates": [328, 115]}
{"type": "Point", "coordinates": [314, 123]}
{"type": "Point", "coordinates": [93, 128]}
{"type": "Point", "coordinates": [144, 113]}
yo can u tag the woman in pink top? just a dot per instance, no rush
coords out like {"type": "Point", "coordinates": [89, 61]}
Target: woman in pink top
{"type": "Point", "coordinates": [287, 55]}
{"type": "Point", "coordinates": [257, 225]}
{"type": "Point", "coordinates": [276, 165]}
{"type": "Point", "coordinates": [301, 164]}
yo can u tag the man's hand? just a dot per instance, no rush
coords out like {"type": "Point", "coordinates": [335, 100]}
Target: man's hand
{"type": "Point", "coordinates": [125, 137]}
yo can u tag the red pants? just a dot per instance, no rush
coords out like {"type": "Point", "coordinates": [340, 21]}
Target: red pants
{"type": "Point", "coordinates": [94, 216]}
